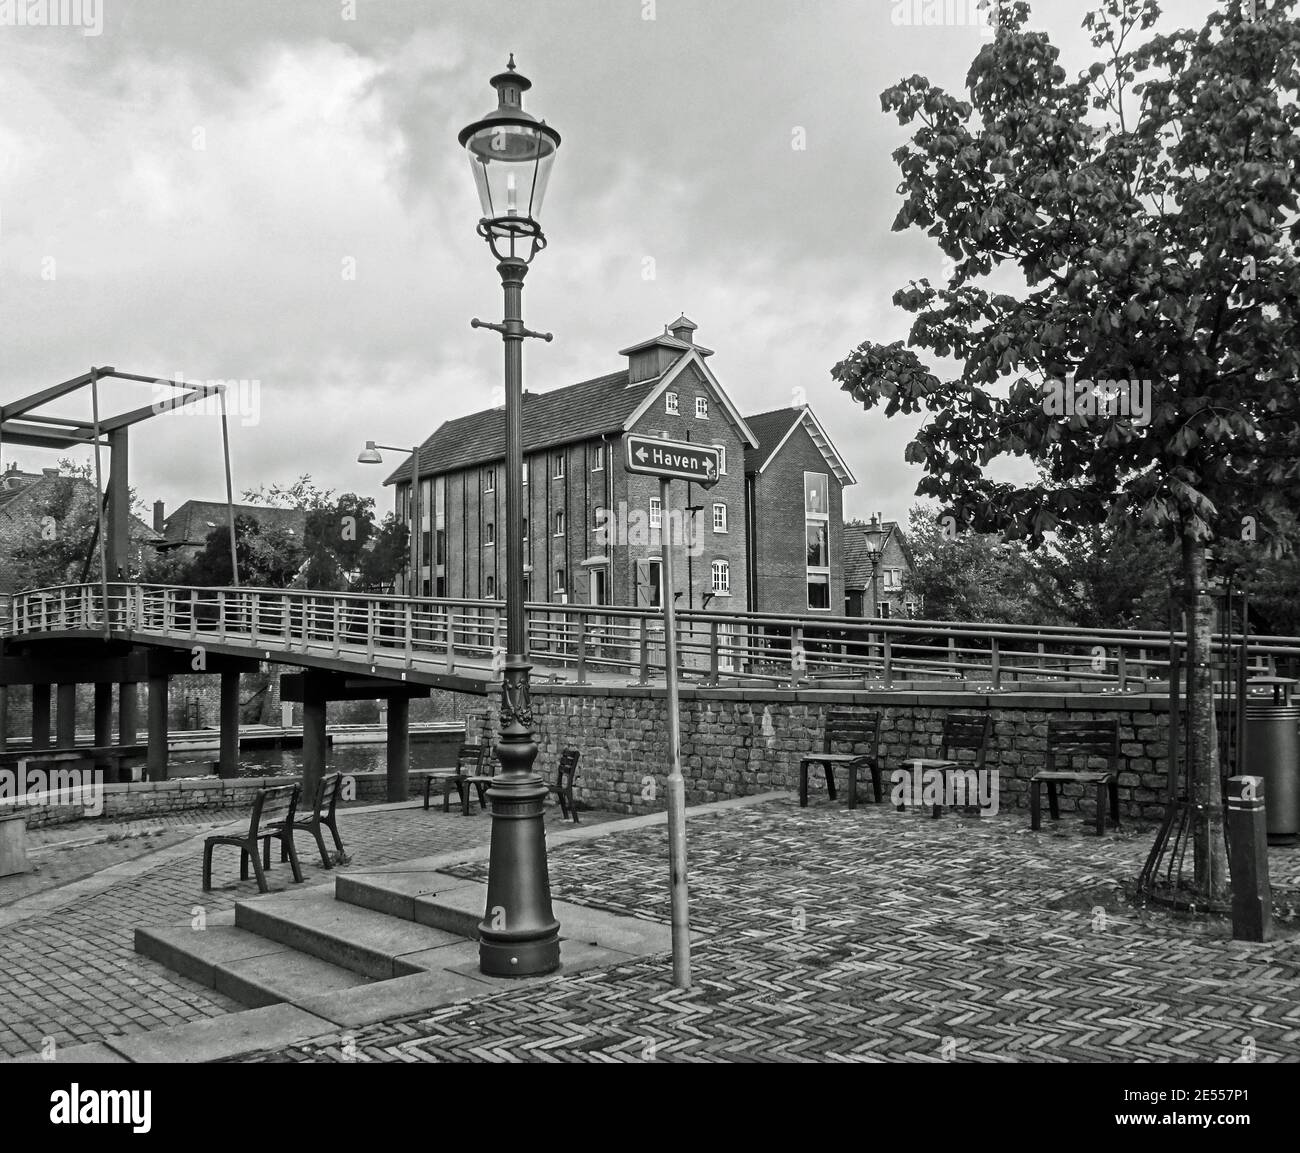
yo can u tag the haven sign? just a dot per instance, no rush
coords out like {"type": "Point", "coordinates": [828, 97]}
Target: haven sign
{"type": "Point", "coordinates": [672, 459]}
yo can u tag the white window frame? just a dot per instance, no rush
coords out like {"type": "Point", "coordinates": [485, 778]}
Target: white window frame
{"type": "Point", "coordinates": [561, 578]}
{"type": "Point", "coordinates": [490, 534]}
{"type": "Point", "coordinates": [722, 459]}
{"type": "Point", "coordinates": [558, 474]}
{"type": "Point", "coordinates": [656, 513]}
{"type": "Point", "coordinates": [671, 404]}
{"type": "Point", "coordinates": [701, 408]}
{"type": "Point", "coordinates": [720, 574]}
{"type": "Point", "coordinates": [599, 466]}
{"type": "Point", "coordinates": [525, 464]}
{"type": "Point", "coordinates": [720, 523]}
{"type": "Point", "coordinates": [559, 523]}
{"type": "Point", "coordinates": [490, 480]}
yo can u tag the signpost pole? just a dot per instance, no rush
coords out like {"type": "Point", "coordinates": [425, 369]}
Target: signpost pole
{"type": "Point", "coordinates": [676, 782]}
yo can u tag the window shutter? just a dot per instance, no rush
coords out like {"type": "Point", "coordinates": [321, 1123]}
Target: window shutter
{"type": "Point", "coordinates": [644, 589]}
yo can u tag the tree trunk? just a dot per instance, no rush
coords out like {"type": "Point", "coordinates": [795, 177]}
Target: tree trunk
{"type": "Point", "coordinates": [1202, 752]}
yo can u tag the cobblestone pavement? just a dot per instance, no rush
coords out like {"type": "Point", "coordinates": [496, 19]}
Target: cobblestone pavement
{"type": "Point", "coordinates": [873, 935]}
{"type": "Point", "coordinates": [68, 970]}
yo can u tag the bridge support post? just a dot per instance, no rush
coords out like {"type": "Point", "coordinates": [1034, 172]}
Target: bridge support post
{"type": "Point", "coordinates": [103, 723]}
{"type": "Point", "coordinates": [4, 718]}
{"type": "Point", "coordinates": [228, 764]}
{"type": "Point", "coordinates": [313, 735]}
{"type": "Point", "coordinates": [40, 716]}
{"type": "Point", "coordinates": [65, 720]}
{"type": "Point", "coordinates": [399, 749]}
{"type": "Point", "coordinates": [156, 766]}
{"type": "Point", "coordinates": [127, 724]}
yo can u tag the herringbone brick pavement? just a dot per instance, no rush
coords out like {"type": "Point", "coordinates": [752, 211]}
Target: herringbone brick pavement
{"type": "Point", "coordinates": [71, 973]}
{"type": "Point", "coordinates": [873, 935]}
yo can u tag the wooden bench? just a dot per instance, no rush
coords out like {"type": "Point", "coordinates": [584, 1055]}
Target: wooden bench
{"type": "Point", "coordinates": [469, 761]}
{"type": "Point", "coordinates": [322, 813]}
{"type": "Point", "coordinates": [272, 818]}
{"type": "Point", "coordinates": [481, 780]}
{"type": "Point", "coordinates": [962, 732]}
{"type": "Point", "coordinates": [1067, 740]}
{"type": "Point", "coordinates": [563, 787]}
{"type": "Point", "coordinates": [853, 728]}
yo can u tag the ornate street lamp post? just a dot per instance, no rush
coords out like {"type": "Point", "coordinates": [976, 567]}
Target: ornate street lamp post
{"type": "Point", "coordinates": [875, 549]}
{"type": "Point", "coordinates": [511, 154]}
{"type": "Point", "coordinates": [370, 455]}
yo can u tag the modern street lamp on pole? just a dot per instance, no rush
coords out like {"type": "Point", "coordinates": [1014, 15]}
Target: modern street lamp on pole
{"type": "Point", "coordinates": [511, 154]}
{"type": "Point", "coordinates": [370, 455]}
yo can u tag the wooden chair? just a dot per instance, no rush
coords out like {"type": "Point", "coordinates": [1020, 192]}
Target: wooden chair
{"type": "Point", "coordinates": [322, 813]}
{"type": "Point", "coordinates": [962, 732]}
{"type": "Point", "coordinates": [1067, 740]}
{"type": "Point", "coordinates": [563, 787]}
{"type": "Point", "coordinates": [853, 728]}
{"type": "Point", "coordinates": [469, 762]}
{"type": "Point", "coordinates": [272, 817]}
{"type": "Point", "coordinates": [481, 780]}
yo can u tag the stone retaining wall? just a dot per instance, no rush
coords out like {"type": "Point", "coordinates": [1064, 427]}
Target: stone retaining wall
{"type": "Point", "coordinates": [740, 742]}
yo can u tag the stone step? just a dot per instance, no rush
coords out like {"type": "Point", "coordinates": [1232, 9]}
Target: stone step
{"type": "Point", "coordinates": [374, 944]}
{"type": "Point", "coordinates": [456, 905]}
{"type": "Point", "coordinates": [244, 966]}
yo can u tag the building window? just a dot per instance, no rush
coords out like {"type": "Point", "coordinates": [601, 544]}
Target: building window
{"type": "Point", "coordinates": [649, 583]}
{"type": "Point", "coordinates": [656, 512]}
{"type": "Point", "coordinates": [489, 534]}
{"type": "Point", "coordinates": [722, 459]}
{"type": "Point", "coordinates": [559, 582]}
{"type": "Point", "coordinates": [701, 408]}
{"type": "Point", "coordinates": [525, 528]}
{"type": "Point", "coordinates": [559, 466]}
{"type": "Point", "coordinates": [884, 610]}
{"type": "Point", "coordinates": [490, 585]}
{"type": "Point", "coordinates": [670, 403]}
{"type": "Point", "coordinates": [599, 465]}
{"type": "Point", "coordinates": [490, 480]}
{"type": "Point", "coordinates": [719, 518]}
{"type": "Point", "coordinates": [559, 524]}
{"type": "Point", "coordinates": [721, 578]}
{"type": "Point", "coordinates": [819, 590]}
{"type": "Point", "coordinates": [816, 503]}
{"type": "Point", "coordinates": [818, 545]}
{"type": "Point", "coordinates": [525, 472]}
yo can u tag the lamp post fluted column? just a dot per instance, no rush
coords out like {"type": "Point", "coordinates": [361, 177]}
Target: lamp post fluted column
{"type": "Point", "coordinates": [519, 935]}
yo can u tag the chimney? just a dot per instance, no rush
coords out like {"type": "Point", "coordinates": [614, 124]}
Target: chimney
{"type": "Point", "coordinates": [50, 471]}
{"type": "Point", "coordinates": [158, 517]}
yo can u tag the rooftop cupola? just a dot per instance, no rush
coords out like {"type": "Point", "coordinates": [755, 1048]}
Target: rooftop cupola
{"type": "Point", "coordinates": [650, 359]}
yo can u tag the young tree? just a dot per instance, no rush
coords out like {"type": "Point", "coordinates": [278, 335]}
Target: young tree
{"type": "Point", "coordinates": [385, 556]}
{"type": "Point", "coordinates": [1154, 225]}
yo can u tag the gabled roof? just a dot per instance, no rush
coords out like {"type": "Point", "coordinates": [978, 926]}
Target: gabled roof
{"type": "Point", "coordinates": [603, 406]}
{"type": "Point", "coordinates": [191, 523]}
{"type": "Point", "coordinates": [857, 560]}
{"type": "Point", "coordinates": [774, 428]}
{"type": "Point", "coordinates": [591, 408]}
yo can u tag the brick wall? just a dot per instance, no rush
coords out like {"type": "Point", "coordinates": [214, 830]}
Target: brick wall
{"type": "Point", "coordinates": [781, 545]}
{"type": "Point", "coordinates": [738, 742]}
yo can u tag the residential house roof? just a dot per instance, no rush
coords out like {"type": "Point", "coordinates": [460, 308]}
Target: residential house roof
{"type": "Point", "coordinates": [774, 428]}
{"type": "Point", "coordinates": [857, 560]}
{"type": "Point", "coordinates": [191, 523]}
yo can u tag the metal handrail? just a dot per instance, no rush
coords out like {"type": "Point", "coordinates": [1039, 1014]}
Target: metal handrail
{"type": "Point", "coordinates": [413, 632]}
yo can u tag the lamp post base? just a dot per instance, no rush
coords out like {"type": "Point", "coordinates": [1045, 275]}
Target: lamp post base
{"type": "Point", "coordinates": [519, 935]}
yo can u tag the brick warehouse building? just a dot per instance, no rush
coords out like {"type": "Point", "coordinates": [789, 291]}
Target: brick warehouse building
{"type": "Point", "coordinates": [594, 531]}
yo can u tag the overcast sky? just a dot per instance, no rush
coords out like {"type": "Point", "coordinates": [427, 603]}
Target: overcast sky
{"type": "Point", "coordinates": [182, 193]}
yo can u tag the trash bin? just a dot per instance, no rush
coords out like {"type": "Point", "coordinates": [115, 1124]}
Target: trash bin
{"type": "Point", "coordinates": [1273, 752]}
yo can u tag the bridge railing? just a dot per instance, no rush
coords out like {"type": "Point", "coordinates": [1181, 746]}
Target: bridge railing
{"type": "Point", "coordinates": [577, 640]}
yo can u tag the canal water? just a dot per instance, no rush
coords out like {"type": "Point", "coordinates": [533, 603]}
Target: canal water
{"type": "Point", "coordinates": [288, 762]}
